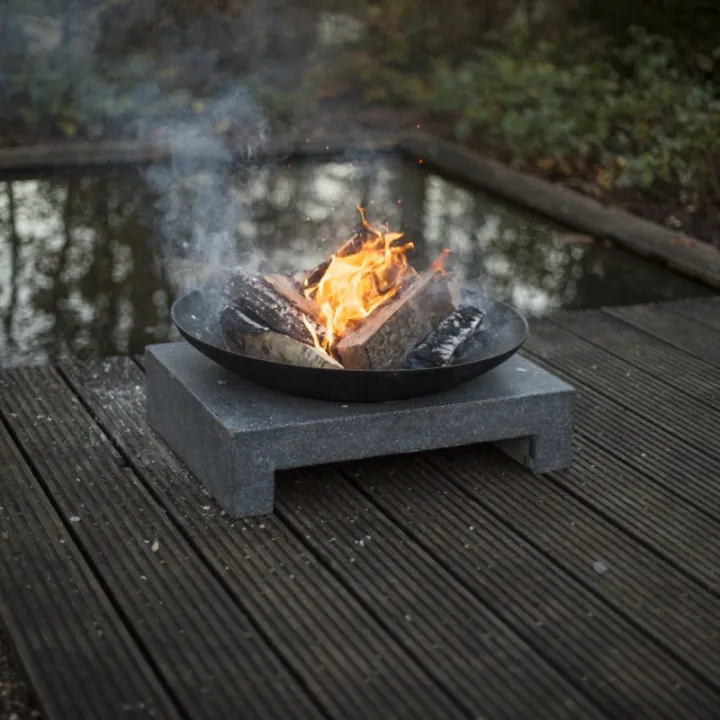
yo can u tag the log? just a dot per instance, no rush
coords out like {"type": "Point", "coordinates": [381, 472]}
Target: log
{"type": "Point", "coordinates": [260, 302]}
{"type": "Point", "coordinates": [234, 322]}
{"type": "Point", "coordinates": [353, 245]}
{"type": "Point", "coordinates": [291, 290]}
{"type": "Point", "coordinates": [245, 336]}
{"type": "Point", "coordinates": [393, 329]}
{"type": "Point", "coordinates": [443, 344]}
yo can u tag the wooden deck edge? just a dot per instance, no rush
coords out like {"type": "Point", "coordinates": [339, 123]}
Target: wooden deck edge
{"type": "Point", "coordinates": [72, 155]}
{"type": "Point", "coordinates": [688, 255]}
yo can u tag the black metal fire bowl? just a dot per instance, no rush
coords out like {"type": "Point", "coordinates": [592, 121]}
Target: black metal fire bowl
{"type": "Point", "coordinates": [503, 333]}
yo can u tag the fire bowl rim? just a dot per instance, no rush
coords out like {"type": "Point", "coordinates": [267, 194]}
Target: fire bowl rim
{"type": "Point", "coordinates": [201, 344]}
{"type": "Point", "coordinates": [341, 385]}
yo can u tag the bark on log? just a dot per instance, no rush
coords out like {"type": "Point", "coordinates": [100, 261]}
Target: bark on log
{"type": "Point", "coordinates": [291, 290]}
{"type": "Point", "coordinates": [391, 331]}
{"type": "Point", "coordinates": [257, 300]}
{"type": "Point", "coordinates": [245, 336]}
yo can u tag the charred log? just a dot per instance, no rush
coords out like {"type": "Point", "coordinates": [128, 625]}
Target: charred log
{"type": "Point", "coordinates": [245, 336]}
{"type": "Point", "coordinates": [234, 322]}
{"type": "Point", "coordinates": [453, 335]}
{"type": "Point", "coordinates": [261, 303]}
{"type": "Point", "coordinates": [385, 336]}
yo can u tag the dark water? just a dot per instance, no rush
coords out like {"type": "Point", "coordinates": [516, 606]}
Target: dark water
{"type": "Point", "coordinates": [90, 264]}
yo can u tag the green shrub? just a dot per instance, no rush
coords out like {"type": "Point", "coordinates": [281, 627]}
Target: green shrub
{"type": "Point", "coordinates": [633, 112]}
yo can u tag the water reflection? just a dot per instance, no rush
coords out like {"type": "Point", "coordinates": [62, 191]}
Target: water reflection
{"type": "Point", "coordinates": [90, 264]}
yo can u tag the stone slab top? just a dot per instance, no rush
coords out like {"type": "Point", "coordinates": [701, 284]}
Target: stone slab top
{"type": "Point", "coordinates": [242, 406]}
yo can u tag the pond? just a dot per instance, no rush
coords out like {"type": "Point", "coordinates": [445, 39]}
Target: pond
{"type": "Point", "coordinates": [91, 263]}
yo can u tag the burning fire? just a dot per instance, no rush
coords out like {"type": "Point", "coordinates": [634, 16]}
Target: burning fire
{"type": "Point", "coordinates": [357, 283]}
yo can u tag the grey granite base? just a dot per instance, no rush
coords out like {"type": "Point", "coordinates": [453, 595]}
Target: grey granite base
{"type": "Point", "coordinates": [234, 435]}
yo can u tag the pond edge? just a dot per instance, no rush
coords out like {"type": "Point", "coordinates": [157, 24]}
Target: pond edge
{"type": "Point", "coordinates": [687, 255]}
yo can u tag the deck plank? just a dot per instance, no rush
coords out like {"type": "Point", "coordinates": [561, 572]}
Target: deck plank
{"type": "Point", "coordinates": [635, 389]}
{"type": "Point", "coordinates": [650, 592]}
{"type": "Point", "coordinates": [689, 375]}
{"type": "Point", "coordinates": [326, 634]}
{"type": "Point", "coordinates": [682, 533]}
{"type": "Point", "coordinates": [197, 637]}
{"type": "Point", "coordinates": [72, 643]}
{"type": "Point", "coordinates": [459, 643]}
{"type": "Point", "coordinates": [648, 449]}
{"type": "Point", "coordinates": [705, 311]}
{"type": "Point", "coordinates": [687, 335]}
{"type": "Point", "coordinates": [433, 527]}
{"type": "Point", "coordinates": [447, 584]}
{"type": "Point", "coordinates": [620, 665]}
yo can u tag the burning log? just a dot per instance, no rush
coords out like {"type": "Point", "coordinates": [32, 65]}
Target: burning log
{"type": "Point", "coordinates": [350, 247]}
{"type": "Point", "coordinates": [246, 336]}
{"type": "Point", "coordinates": [292, 291]}
{"type": "Point", "coordinates": [383, 339]}
{"type": "Point", "coordinates": [262, 303]}
{"type": "Point", "coordinates": [354, 245]}
{"type": "Point", "coordinates": [448, 339]}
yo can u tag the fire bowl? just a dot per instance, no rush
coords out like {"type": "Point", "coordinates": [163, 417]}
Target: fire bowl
{"type": "Point", "coordinates": [504, 330]}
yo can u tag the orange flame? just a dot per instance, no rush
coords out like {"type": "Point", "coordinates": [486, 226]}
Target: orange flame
{"type": "Point", "coordinates": [441, 263]}
{"type": "Point", "coordinates": [355, 284]}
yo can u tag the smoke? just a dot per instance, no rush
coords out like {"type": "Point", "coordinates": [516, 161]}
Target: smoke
{"type": "Point", "coordinates": [200, 190]}
{"type": "Point", "coordinates": [189, 77]}
{"type": "Point", "coordinates": [195, 80]}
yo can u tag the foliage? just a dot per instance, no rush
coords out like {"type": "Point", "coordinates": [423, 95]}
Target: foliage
{"type": "Point", "coordinates": [402, 40]}
{"type": "Point", "coordinates": [632, 113]}
{"type": "Point", "coordinates": [112, 67]}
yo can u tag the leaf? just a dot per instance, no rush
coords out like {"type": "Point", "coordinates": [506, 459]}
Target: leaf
{"type": "Point", "coordinates": [546, 163]}
{"type": "Point", "coordinates": [604, 178]}
{"type": "Point", "coordinates": [68, 127]}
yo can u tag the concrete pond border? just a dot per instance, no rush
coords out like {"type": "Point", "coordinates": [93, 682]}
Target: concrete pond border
{"type": "Point", "coordinates": [684, 254]}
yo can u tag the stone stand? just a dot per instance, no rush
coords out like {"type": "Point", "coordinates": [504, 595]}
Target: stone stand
{"type": "Point", "coordinates": [233, 435]}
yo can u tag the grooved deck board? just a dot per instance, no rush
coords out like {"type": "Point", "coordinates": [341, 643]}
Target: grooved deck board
{"type": "Point", "coordinates": [79, 656]}
{"type": "Point", "coordinates": [687, 335]}
{"type": "Point", "coordinates": [647, 449]}
{"type": "Point", "coordinates": [442, 585]}
{"type": "Point", "coordinates": [706, 311]}
{"type": "Point", "coordinates": [335, 644]}
{"type": "Point", "coordinates": [633, 388]}
{"type": "Point", "coordinates": [503, 676]}
{"type": "Point", "coordinates": [623, 670]}
{"type": "Point", "coordinates": [466, 650]}
{"type": "Point", "coordinates": [652, 594]}
{"type": "Point", "coordinates": [685, 534]}
{"type": "Point", "coordinates": [198, 638]}
{"type": "Point", "coordinates": [695, 378]}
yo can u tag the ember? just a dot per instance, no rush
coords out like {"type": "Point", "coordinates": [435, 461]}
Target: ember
{"type": "Point", "coordinates": [364, 308]}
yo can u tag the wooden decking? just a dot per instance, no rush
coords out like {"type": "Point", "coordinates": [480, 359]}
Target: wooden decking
{"type": "Point", "coordinates": [445, 585]}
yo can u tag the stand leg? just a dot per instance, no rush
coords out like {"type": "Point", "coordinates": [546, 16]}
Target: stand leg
{"type": "Point", "coordinates": [542, 453]}
{"type": "Point", "coordinates": [250, 491]}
